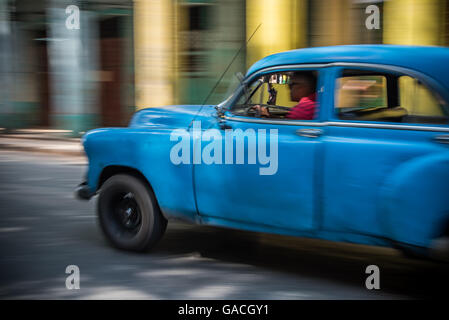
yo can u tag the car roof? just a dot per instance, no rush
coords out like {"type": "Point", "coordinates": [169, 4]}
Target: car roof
{"type": "Point", "coordinates": [430, 60]}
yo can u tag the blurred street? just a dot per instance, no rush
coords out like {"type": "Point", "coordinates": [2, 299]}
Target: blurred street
{"type": "Point", "coordinates": [43, 229]}
{"type": "Point", "coordinates": [48, 141]}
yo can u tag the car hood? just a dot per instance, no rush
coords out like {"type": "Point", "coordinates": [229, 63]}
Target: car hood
{"type": "Point", "coordinates": [179, 116]}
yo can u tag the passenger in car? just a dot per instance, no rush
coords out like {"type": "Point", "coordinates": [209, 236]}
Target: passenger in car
{"type": "Point", "coordinates": [302, 89]}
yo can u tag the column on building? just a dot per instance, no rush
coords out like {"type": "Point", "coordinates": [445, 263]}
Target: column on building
{"type": "Point", "coordinates": [153, 53]}
{"type": "Point", "coordinates": [127, 69]}
{"type": "Point", "coordinates": [19, 106]}
{"type": "Point", "coordinates": [445, 12]}
{"type": "Point", "coordinates": [283, 26]}
{"type": "Point", "coordinates": [414, 22]}
{"type": "Point", "coordinates": [71, 63]}
{"type": "Point", "coordinates": [341, 22]}
{"type": "Point", "coordinates": [6, 111]}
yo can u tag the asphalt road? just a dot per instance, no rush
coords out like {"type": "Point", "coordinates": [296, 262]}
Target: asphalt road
{"type": "Point", "coordinates": [43, 229]}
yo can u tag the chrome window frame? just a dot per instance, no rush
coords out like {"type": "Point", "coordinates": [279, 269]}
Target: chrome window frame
{"type": "Point", "coordinates": [427, 80]}
{"type": "Point", "coordinates": [342, 123]}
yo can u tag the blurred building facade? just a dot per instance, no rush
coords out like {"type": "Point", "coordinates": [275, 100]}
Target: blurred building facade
{"type": "Point", "coordinates": [58, 73]}
{"type": "Point", "coordinates": [128, 55]}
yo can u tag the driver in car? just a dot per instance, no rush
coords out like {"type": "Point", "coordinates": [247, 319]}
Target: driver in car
{"type": "Point", "coordinates": [302, 89]}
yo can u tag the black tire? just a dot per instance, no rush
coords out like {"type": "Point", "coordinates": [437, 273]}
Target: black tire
{"type": "Point", "coordinates": [128, 213]}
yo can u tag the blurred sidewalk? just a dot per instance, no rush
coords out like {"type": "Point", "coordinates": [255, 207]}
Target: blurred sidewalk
{"type": "Point", "coordinates": [41, 140]}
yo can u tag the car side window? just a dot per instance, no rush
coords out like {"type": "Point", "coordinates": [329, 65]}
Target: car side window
{"type": "Point", "coordinates": [421, 104]}
{"type": "Point", "coordinates": [358, 96]}
{"type": "Point", "coordinates": [377, 96]}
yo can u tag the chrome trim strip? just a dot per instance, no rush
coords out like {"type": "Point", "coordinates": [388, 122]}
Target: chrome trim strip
{"type": "Point", "coordinates": [291, 67]}
{"type": "Point", "coordinates": [386, 126]}
{"type": "Point", "coordinates": [282, 122]}
{"type": "Point", "coordinates": [340, 124]}
{"type": "Point", "coordinates": [336, 64]}
{"type": "Point", "coordinates": [331, 64]}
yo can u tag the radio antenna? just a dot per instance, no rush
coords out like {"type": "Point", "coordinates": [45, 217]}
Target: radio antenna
{"type": "Point", "coordinates": [227, 68]}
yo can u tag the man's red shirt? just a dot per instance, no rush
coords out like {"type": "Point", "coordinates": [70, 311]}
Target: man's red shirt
{"type": "Point", "coordinates": [305, 109]}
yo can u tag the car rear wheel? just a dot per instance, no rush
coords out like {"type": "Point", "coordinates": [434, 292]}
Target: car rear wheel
{"type": "Point", "coordinates": [128, 213]}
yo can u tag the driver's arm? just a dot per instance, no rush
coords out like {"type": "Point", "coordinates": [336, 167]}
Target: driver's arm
{"type": "Point", "coordinates": [263, 111]}
{"type": "Point", "coordinates": [266, 113]}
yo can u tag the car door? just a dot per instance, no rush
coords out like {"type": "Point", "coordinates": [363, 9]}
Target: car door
{"type": "Point", "coordinates": [386, 169]}
{"type": "Point", "coordinates": [240, 195]}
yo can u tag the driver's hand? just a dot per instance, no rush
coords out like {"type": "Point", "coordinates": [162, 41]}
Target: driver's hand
{"type": "Point", "coordinates": [262, 110]}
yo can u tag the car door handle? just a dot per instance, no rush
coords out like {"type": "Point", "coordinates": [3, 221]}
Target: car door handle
{"type": "Point", "coordinates": [310, 133]}
{"type": "Point", "coordinates": [442, 139]}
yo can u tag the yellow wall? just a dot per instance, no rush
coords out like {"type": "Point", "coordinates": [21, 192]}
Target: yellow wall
{"type": "Point", "coordinates": [283, 27]}
{"type": "Point", "coordinates": [333, 23]}
{"type": "Point", "coordinates": [413, 22]}
{"type": "Point", "coordinates": [153, 50]}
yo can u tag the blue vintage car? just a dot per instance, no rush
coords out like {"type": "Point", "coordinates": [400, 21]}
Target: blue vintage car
{"type": "Point", "coordinates": [367, 162]}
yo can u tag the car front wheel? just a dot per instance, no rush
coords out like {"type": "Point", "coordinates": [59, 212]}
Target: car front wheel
{"type": "Point", "coordinates": [128, 213]}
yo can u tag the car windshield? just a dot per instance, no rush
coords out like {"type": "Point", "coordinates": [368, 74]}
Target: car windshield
{"type": "Point", "coordinates": [267, 90]}
{"type": "Point", "coordinates": [232, 86]}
